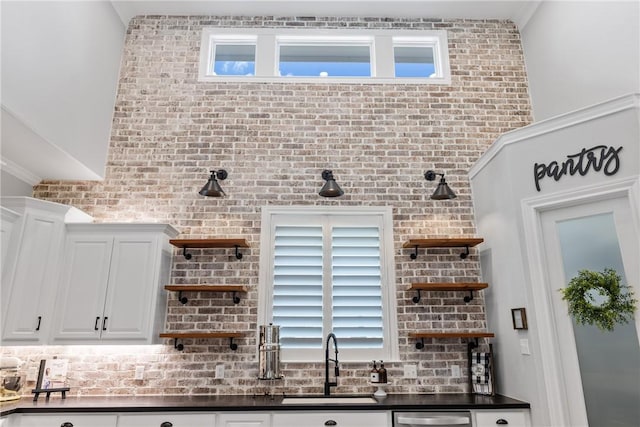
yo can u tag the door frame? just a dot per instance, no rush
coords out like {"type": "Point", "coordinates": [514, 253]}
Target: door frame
{"type": "Point", "coordinates": [536, 275]}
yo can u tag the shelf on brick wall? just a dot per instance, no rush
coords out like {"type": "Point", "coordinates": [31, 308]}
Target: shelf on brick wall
{"type": "Point", "coordinates": [201, 335]}
{"type": "Point", "coordinates": [470, 287]}
{"type": "Point", "coordinates": [206, 288]}
{"type": "Point", "coordinates": [209, 243]}
{"type": "Point", "coordinates": [442, 335]}
{"type": "Point", "coordinates": [445, 242]}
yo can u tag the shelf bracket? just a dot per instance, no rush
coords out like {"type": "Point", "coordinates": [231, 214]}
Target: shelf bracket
{"type": "Point", "coordinates": [185, 254]}
{"type": "Point", "coordinates": [238, 254]}
{"type": "Point", "coordinates": [469, 297]}
{"type": "Point", "coordinates": [473, 344]}
{"type": "Point", "coordinates": [466, 252]}
{"type": "Point", "coordinates": [420, 344]}
{"type": "Point", "coordinates": [232, 345]}
{"type": "Point", "coordinates": [414, 255]}
{"type": "Point", "coordinates": [236, 298]}
{"type": "Point", "coordinates": [416, 299]}
{"type": "Point", "coordinates": [182, 299]}
{"type": "Point", "coordinates": [178, 346]}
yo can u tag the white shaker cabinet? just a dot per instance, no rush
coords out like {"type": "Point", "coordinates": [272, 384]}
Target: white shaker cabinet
{"type": "Point", "coordinates": [64, 420]}
{"type": "Point", "coordinates": [111, 284]}
{"type": "Point", "coordinates": [244, 419]}
{"type": "Point", "coordinates": [510, 418]}
{"type": "Point", "coordinates": [332, 418]}
{"type": "Point", "coordinates": [31, 266]}
{"type": "Point", "coordinates": [167, 420]}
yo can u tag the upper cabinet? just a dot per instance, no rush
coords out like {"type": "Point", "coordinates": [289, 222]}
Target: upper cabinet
{"type": "Point", "coordinates": [111, 288]}
{"type": "Point", "coordinates": [32, 244]}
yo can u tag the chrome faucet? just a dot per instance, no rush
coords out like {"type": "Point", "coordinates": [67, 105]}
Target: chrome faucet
{"type": "Point", "coordinates": [327, 384]}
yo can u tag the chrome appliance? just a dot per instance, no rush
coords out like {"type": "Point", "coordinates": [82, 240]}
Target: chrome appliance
{"type": "Point", "coordinates": [269, 352]}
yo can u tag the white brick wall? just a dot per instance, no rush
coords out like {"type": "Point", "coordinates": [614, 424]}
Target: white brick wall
{"type": "Point", "coordinates": [275, 139]}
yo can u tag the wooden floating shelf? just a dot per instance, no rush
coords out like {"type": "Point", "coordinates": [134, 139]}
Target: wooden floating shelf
{"type": "Point", "coordinates": [201, 335]}
{"type": "Point", "coordinates": [209, 243]}
{"type": "Point", "coordinates": [470, 287]}
{"type": "Point", "coordinates": [441, 335]}
{"type": "Point", "coordinates": [206, 288]}
{"type": "Point", "coordinates": [446, 242]}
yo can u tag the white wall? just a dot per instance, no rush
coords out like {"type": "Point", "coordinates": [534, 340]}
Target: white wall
{"type": "Point", "coordinates": [12, 186]}
{"type": "Point", "coordinates": [60, 65]}
{"type": "Point", "coordinates": [579, 53]}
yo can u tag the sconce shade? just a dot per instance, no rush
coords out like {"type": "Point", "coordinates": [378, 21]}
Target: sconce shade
{"type": "Point", "coordinates": [331, 187]}
{"type": "Point", "coordinates": [443, 192]}
{"type": "Point", "coordinates": [212, 187]}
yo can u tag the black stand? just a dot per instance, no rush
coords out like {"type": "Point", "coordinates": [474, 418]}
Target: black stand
{"type": "Point", "coordinates": [48, 391]}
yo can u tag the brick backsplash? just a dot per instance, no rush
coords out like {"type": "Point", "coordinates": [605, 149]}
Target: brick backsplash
{"type": "Point", "coordinates": [275, 139]}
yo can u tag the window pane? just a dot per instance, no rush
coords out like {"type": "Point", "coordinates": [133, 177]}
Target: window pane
{"type": "Point", "coordinates": [413, 61]}
{"type": "Point", "coordinates": [234, 60]}
{"type": "Point", "coordinates": [325, 61]}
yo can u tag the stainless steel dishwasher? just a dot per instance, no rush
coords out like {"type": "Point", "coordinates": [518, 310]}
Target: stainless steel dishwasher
{"type": "Point", "coordinates": [428, 418]}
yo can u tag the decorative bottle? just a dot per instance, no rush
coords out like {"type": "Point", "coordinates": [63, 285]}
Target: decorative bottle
{"type": "Point", "coordinates": [374, 375]}
{"type": "Point", "coordinates": [382, 373]}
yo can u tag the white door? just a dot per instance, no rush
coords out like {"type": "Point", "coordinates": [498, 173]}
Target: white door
{"type": "Point", "coordinates": [80, 303]}
{"type": "Point", "coordinates": [600, 370]}
{"type": "Point", "coordinates": [132, 287]}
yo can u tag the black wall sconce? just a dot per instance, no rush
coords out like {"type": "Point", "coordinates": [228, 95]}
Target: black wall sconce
{"type": "Point", "coordinates": [212, 187]}
{"type": "Point", "coordinates": [443, 191]}
{"type": "Point", "coordinates": [331, 187]}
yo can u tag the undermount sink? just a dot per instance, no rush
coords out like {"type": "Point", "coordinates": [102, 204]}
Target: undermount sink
{"type": "Point", "coordinates": [327, 399]}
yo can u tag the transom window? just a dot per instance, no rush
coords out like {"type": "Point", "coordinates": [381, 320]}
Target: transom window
{"type": "Point", "coordinates": [327, 272]}
{"type": "Point", "coordinates": [311, 55]}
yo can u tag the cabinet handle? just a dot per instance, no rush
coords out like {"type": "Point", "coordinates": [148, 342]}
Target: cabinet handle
{"type": "Point", "coordinates": [330, 423]}
{"type": "Point", "coordinates": [39, 322]}
{"type": "Point", "coordinates": [166, 424]}
{"type": "Point", "coordinates": [67, 424]}
{"type": "Point", "coordinates": [502, 421]}
{"type": "Point", "coordinates": [95, 327]}
{"type": "Point", "coordinates": [104, 324]}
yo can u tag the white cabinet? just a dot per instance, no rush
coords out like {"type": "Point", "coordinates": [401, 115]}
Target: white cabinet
{"type": "Point", "coordinates": [167, 420]}
{"type": "Point", "coordinates": [246, 419]}
{"type": "Point", "coordinates": [509, 418]}
{"type": "Point", "coordinates": [333, 418]}
{"type": "Point", "coordinates": [111, 284]}
{"type": "Point", "coordinates": [31, 266]}
{"type": "Point", "coordinates": [65, 420]}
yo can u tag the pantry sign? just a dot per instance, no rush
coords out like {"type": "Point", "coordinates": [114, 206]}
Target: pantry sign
{"type": "Point", "coordinates": [599, 158]}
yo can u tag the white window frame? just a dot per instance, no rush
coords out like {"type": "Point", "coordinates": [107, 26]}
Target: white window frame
{"type": "Point", "coordinates": [382, 53]}
{"type": "Point", "coordinates": [228, 39]}
{"type": "Point", "coordinates": [390, 351]}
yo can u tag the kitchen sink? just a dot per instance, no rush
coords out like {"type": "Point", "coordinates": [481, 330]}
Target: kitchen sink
{"type": "Point", "coordinates": [327, 399]}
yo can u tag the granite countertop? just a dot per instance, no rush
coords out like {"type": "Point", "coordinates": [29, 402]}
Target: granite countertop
{"type": "Point", "coordinates": [254, 403]}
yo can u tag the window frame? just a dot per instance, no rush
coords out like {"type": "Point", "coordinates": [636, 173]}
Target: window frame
{"type": "Point", "coordinates": [390, 350]}
{"type": "Point", "coordinates": [381, 59]}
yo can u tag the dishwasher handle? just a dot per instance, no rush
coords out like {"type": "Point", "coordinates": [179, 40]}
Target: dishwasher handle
{"type": "Point", "coordinates": [434, 421]}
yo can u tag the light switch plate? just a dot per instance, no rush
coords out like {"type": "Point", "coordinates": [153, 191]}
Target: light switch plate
{"type": "Point", "coordinates": [410, 371]}
{"type": "Point", "coordinates": [455, 371]}
{"type": "Point", "coordinates": [139, 375]}
{"type": "Point", "coordinates": [524, 346]}
{"type": "Point", "coordinates": [219, 372]}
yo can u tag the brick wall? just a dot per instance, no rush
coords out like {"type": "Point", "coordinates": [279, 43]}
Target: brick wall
{"type": "Point", "coordinates": [275, 139]}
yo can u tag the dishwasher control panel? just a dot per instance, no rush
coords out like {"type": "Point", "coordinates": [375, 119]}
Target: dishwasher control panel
{"type": "Point", "coordinates": [432, 418]}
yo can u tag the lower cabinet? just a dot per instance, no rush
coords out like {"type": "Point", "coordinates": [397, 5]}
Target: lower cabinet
{"type": "Point", "coordinates": [167, 420]}
{"type": "Point", "coordinates": [245, 419]}
{"type": "Point", "coordinates": [332, 418]}
{"type": "Point", "coordinates": [64, 420]}
{"type": "Point", "coordinates": [501, 418]}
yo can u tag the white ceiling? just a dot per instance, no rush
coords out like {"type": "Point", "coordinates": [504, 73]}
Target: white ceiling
{"type": "Point", "coordinates": [517, 10]}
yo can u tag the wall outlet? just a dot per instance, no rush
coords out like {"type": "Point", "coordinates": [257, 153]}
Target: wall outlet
{"type": "Point", "coordinates": [139, 375]}
{"type": "Point", "coordinates": [219, 372]}
{"type": "Point", "coordinates": [524, 346]}
{"type": "Point", "coordinates": [410, 371]}
{"type": "Point", "coordinates": [455, 371]}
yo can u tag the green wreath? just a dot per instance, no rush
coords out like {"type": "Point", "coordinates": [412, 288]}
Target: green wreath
{"type": "Point", "coordinates": [618, 308]}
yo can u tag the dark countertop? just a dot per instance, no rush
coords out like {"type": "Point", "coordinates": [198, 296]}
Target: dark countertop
{"type": "Point", "coordinates": [254, 403]}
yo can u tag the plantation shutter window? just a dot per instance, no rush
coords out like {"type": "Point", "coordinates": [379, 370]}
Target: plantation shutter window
{"type": "Point", "coordinates": [327, 272]}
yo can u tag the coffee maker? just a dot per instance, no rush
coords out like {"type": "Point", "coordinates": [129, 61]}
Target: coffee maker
{"type": "Point", "coordinates": [9, 379]}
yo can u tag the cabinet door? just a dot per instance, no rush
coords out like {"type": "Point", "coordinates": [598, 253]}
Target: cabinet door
{"type": "Point", "coordinates": [502, 418]}
{"type": "Point", "coordinates": [29, 283]}
{"type": "Point", "coordinates": [80, 304]}
{"type": "Point", "coordinates": [133, 283]}
{"type": "Point", "coordinates": [334, 418]}
{"type": "Point", "coordinates": [167, 420]}
{"type": "Point", "coordinates": [249, 419]}
{"type": "Point", "coordinates": [67, 420]}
